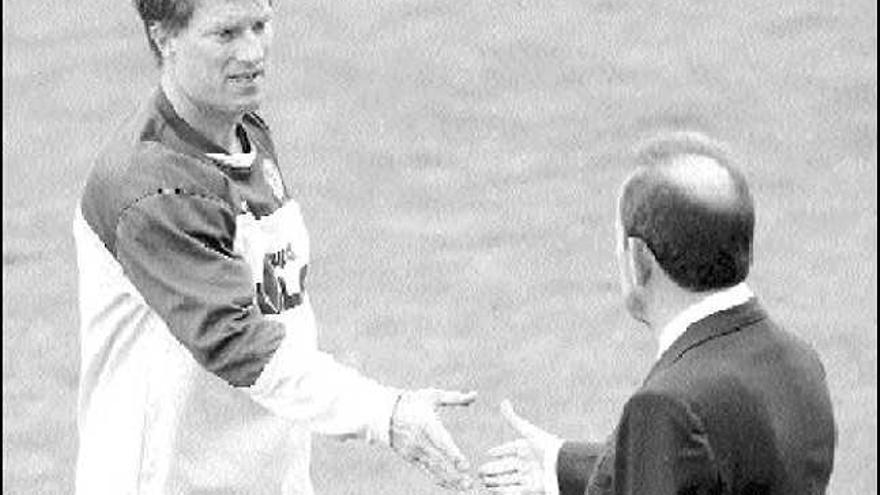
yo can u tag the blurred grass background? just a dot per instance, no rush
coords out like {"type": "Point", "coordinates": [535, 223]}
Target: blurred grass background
{"type": "Point", "coordinates": [457, 163]}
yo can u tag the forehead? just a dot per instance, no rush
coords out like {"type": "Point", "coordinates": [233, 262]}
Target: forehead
{"type": "Point", "coordinates": [230, 11]}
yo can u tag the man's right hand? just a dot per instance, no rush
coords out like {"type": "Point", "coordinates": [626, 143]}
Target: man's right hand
{"type": "Point", "coordinates": [420, 438]}
{"type": "Point", "coordinates": [525, 466]}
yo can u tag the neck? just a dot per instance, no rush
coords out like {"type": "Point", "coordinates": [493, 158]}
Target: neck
{"type": "Point", "coordinates": [214, 124]}
{"type": "Point", "coordinates": [667, 302]}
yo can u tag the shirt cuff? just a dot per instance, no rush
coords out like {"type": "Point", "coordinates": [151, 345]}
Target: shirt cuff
{"type": "Point", "coordinates": [551, 454]}
{"type": "Point", "coordinates": [379, 425]}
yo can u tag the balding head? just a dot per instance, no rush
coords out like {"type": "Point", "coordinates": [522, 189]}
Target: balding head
{"type": "Point", "coordinates": [693, 210]}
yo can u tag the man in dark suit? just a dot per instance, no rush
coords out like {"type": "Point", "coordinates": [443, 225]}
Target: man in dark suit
{"type": "Point", "coordinates": [734, 403]}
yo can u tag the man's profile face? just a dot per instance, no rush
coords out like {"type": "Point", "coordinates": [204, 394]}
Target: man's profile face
{"type": "Point", "coordinates": [219, 59]}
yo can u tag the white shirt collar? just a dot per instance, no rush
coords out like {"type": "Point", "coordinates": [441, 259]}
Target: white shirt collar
{"type": "Point", "coordinates": [240, 159]}
{"type": "Point", "coordinates": [234, 160]}
{"type": "Point", "coordinates": [711, 304]}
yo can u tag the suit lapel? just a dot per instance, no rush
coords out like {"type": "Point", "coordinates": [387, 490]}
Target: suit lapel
{"type": "Point", "coordinates": [713, 326]}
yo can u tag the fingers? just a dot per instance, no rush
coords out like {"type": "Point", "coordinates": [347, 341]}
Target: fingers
{"type": "Point", "coordinates": [434, 462]}
{"type": "Point", "coordinates": [519, 448]}
{"type": "Point", "coordinates": [500, 467]}
{"type": "Point", "coordinates": [441, 440]}
{"type": "Point", "coordinates": [454, 398]}
{"type": "Point", "coordinates": [507, 490]}
{"type": "Point", "coordinates": [509, 475]}
{"type": "Point", "coordinates": [504, 480]}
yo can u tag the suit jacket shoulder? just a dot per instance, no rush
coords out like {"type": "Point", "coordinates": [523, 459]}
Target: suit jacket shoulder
{"type": "Point", "coordinates": [761, 394]}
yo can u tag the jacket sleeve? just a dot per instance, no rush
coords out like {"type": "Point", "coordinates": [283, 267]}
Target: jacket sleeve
{"type": "Point", "coordinates": [575, 464]}
{"type": "Point", "coordinates": [661, 448]}
{"type": "Point", "coordinates": [177, 250]}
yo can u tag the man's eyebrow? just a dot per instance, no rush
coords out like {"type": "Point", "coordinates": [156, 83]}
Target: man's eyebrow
{"type": "Point", "coordinates": [233, 24]}
{"type": "Point", "coordinates": [233, 20]}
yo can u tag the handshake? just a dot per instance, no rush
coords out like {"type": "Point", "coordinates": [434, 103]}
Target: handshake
{"type": "Point", "coordinates": [518, 467]}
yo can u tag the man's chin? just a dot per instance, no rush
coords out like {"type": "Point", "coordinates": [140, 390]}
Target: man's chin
{"type": "Point", "coordinates": [250, 105]}
{"type": "Point", "coordinates": [244, 103]}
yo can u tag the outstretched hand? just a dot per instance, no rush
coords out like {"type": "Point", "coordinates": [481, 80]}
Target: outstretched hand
{"type": "Point", "coordinates": [518, 466]}
{"type": "Point", "coordinates": [420, 438]}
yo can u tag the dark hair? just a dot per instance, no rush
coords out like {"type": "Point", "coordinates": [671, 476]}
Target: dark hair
{"type": "Point", "coordinates": [701, 242]}
{"type": "Point", "coordinates": [170, 15]}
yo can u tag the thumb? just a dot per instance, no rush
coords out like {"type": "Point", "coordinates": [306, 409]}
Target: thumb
{"type": "Point", "coordinates": [519, 424]}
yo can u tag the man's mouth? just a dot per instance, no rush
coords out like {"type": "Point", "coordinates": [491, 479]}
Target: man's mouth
{"type": "Point", "coordinates": [248, 76]}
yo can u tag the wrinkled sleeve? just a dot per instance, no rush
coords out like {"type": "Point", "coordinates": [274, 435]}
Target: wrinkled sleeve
{"type": "Point", "coordinates": [177, 250]}
{"type": "Point", "coordinates": [662, 448]}
{"type": "Point", "coordinates": [575, 464]}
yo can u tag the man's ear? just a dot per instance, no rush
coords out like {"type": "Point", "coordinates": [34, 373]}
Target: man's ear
{"type": "Point", "coordinates": [641, 259]}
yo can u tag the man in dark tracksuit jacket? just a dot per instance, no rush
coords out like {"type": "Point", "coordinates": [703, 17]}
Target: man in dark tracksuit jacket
{"type": "Point", "coordinates": [734, 404]}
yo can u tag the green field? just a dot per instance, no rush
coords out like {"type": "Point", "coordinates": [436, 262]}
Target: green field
{"type": "Point", "coordinates": [457, 164]}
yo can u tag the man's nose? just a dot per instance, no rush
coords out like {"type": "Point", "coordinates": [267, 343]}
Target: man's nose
{"type": "Point", "coordinates": [252, 47]}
